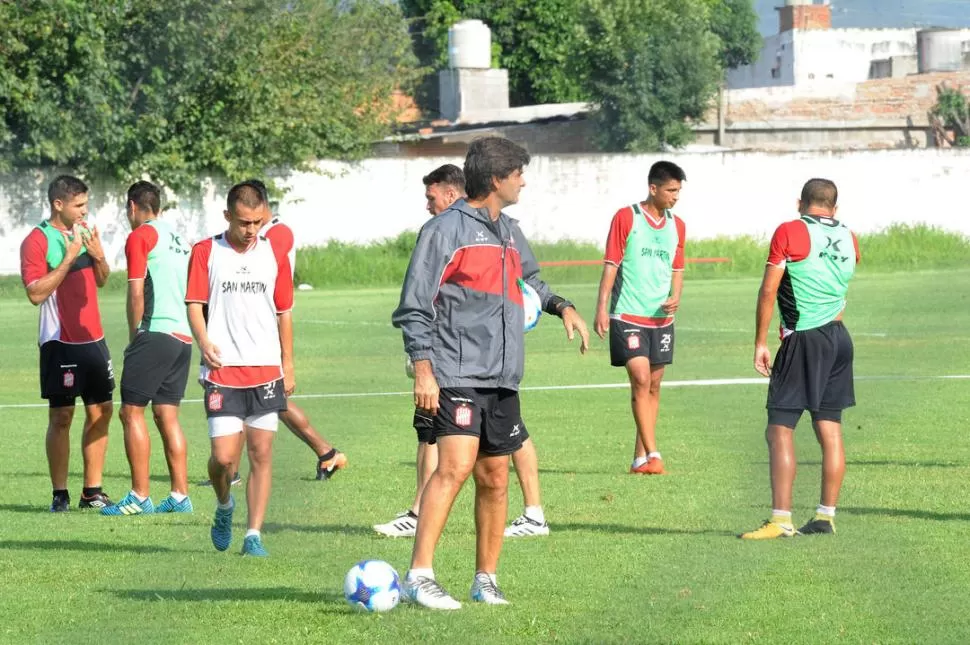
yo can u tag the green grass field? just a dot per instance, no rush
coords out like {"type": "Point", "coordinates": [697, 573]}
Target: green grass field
{"type": "Point", "coordinates": [630, 559]}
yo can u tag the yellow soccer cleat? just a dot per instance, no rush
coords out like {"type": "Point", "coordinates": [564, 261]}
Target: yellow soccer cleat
{"type": "Point", "coordinates": [769, 531]}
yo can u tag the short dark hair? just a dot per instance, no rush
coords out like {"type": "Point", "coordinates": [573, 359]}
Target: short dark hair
{"type": "Point", "coordinates": [820, 192]}
{"type": "Point", "coordinates": [449, 174]}
{"type": "Point", "coordinates": [491, 157]}
{"type": "Point", "coordinates": [65, 187]}
{"type": "Point", "coordinates": [251, 194]}
{"type": "Point", "coordinates": [664, 171]}
{"type": "Point", "coordinates": [146, 195]}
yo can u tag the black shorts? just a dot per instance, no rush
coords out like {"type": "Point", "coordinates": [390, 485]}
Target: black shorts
{"type": "Point", "coordinates": [629, 341]}
{"type": "Point", "coordinates": [156, 369]}
{"type": "Point", "coordinates": [69, 371]}
{"type": "Point", "coordinates": [244, 402]}
{"type": "Point", "coordinates": [813, 371]}
{"type": "Point", "coordinates": [424, 426]}
{"type": "Point", "coordinates": [491, 414]}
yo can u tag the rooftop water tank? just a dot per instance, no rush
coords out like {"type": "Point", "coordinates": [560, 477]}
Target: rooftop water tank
{"type": "Point", "coordinates": [939, 50]}
{"type": "Point", "coordinates": [470, 45]}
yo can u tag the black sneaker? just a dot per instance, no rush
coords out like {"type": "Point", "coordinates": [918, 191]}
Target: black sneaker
{"type": "Point", "coordinates": [98, 500]}
{"type": "Point", "coordinates": [818, 526]}
{"type": "Point", "coordinates": [61, 505]}
{"type": "Point", "coordinates": [236, 479]}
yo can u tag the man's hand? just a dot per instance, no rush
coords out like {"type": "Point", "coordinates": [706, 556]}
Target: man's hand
{"type": "Point", "coordinates": [671, 305]}
{"type": "Point", "coordinates": [602, 323]}
{"type": "Point", "coordinates": [92, 242]}
{"type": "Point", "coordinates": [74, 242]}
{"type": "Point", "coordinates": [425, 387]}
{"type": "Point", "coordinates": [762, 360]}
{"type": "Point", "coordinates": [211, 356]}
{"type": "Point", "coordinates": [572, 321]}
{"type": "Point", "coordinates": [289, 378]}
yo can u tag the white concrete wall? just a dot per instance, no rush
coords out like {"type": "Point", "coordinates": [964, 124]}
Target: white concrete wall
{"type": "Point", "coordinates": [567, 197]}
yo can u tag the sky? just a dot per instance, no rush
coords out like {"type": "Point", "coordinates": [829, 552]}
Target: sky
{"type": "Point", "coordinates": [880, 13]}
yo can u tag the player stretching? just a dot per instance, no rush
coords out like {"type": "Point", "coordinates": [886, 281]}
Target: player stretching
{"type": "Point", "coordinates": [462, 321]}
{"type": "Point", "coordinates": [159, 352]}
{"type": "Point", "coordinates": [247, 346]}
{"type": "Point", "coordinates": [810, 263]}
{"type": "Point", "coordinates": [442, 188]}
{"type": "Point", "coordinates": [643, 276]}
{"type": "Point", "coordinates": [62, 265]}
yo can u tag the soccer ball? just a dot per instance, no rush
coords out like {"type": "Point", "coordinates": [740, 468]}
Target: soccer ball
{"type": "Point", "coordinates": [531, 305]}
{"type": "Point", "coordinates": [372, 585]}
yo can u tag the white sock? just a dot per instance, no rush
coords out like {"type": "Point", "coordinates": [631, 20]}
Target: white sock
{"type": "Point", "coordinates": [137, 496]}
{"type": "Point", "coordinates": [414, 574]}
{"type": "Point", "coordinates": [227, 505]}
{"type": "Point", "coordinates": [654, 455]}
{"type": "Point", "coordinates": [828, 511]}
{"type": "Point", "coordinates": [178, 497]}
{"type": "Point", "coordinates": [535, 513]}
{"type": "Point", "coordinates": [639, 461]}
{"type": "Point", "coordinates": [252, 532]}
{"type": "Point", "coordinates": [784, 517]}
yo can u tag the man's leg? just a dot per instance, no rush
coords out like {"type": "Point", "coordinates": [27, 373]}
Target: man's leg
{"type": "Point", "coordinates": [491, 508]}
{"type": "Point", "coordinates": [782, 468]}
{"type": "Point", "coordinates": [226, 438]}
{"type": "Point", "coordinates": [532, 522]}
{"type": "Point", "coordinates": [329, 459]}
{"type": "Point", "coordinates": [59, 451]}
{"type": "Point", "coordinates": [173, 440]}
{"type": "Point", "coordinates": [427, 463]}
{"type": "Point", "coordinates": [645, 401]}
{"type": "Point", "coordinates": [94, 445]}
{"type": "Point", "coordinates": [138, 447]}
{"type": "Point", "coordinates": [259, 444]}
{"type": "Point", "coordinates": [829, 435]}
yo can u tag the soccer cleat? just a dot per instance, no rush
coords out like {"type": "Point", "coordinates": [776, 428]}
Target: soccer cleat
{"type": "Point", "coordinates": [327, 469]}
{"type": "Point", "coordinates": [404, 525]}
{"type": "Point", "coordinates": [652, 466]}
{"type": "Point", "coordinates": [129, 505]}
{"type": "Point", "coordinates": [486, 591]}
{"type": "Point", "coordinates": [427, 593]}
{"type": "Point", "coordinates": [169, 505]}
{"type": "Point", "coordinates": [769, 531]}
{"type": "Point", "coordinates": [818, 526]}
{"type": "Point", "coordinates": [253, 545]}
{"type": "Point", "coordinates": [221, 531]}
{"type": "Point", "coordinates": [525, 526]}
{"type": "Point", "coordinates": [98, 500]}
{"type": "Point", "coordinates": [60, 504]}
{"type": "Point", "coordinates": [235, 481]}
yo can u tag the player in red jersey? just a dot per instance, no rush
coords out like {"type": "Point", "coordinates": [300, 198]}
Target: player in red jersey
{"type": "Point", "coordinates": [246, 342]}
{"type": "Point", "coordinates": [62, 264]}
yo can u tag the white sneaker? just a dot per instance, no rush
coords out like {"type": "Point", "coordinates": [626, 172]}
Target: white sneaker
{"type": "Point", "coordinates": [525, 526]}
{"type": "Point", "coordinates": [404, 525]}
{"type": "Point", "coordinates": [427, 593]}
{"type": "Point", "coordinates": [486, 591]}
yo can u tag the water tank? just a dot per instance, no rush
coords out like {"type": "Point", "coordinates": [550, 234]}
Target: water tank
{"type": "Point", "coordinates": [939, 50]}
{"type": "Point", "coordinates": [470, 45]}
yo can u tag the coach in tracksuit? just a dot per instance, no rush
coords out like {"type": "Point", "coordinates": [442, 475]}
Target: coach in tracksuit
{"type": "Point", "coordinates": [462, 319]}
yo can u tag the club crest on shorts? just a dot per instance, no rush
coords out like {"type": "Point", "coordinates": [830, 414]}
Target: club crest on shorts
{"type": "Point", "coordinates": [68, 378]}
{"type": "Point", "coordinates": [463, 416]}
{"type": "Point", "coordinates": [215, 400]}
{"type": "Point", "coordinates": [633, 341]}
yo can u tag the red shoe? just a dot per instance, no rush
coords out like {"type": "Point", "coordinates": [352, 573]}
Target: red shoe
{"type": "Point", "coordinates": [652, 466]}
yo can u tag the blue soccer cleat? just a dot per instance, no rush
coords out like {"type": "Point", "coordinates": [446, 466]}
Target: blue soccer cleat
{"type": "Point", "coordinates": [169, 505]}
{"type": "Point", "coordinates": [253, 545]}
{"type": "Point", "coordinates": [129, 505]}
{"type": "Point", "coordinates": [221, 532]}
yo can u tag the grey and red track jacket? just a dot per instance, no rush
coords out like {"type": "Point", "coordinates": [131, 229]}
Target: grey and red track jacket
{"type": "Point", "coordinates": [461, 306]}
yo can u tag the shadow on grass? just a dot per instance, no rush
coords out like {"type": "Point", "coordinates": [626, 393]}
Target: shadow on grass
{"type": "Point", "coordinates": [578, 471]}
{"type": "Point", "coordinates": [235, 594]}
{"type": "Point", "coordinates": [345, 529]}
{"type": "Point", "coordinates": [883, 462]}
{"type": "Point", "coordinates": [907, 512]}
{"type": "Point", "coordinates": [24, 508]}
{"type": "Point", "coordinates": [635, 530]}
{"type": "Point", "coordinates": [77, 545]}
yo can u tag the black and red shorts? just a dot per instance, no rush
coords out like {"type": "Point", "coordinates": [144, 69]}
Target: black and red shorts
{"type": "Point", "coordinates": [491, 414]}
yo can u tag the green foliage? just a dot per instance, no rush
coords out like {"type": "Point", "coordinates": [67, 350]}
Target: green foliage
{"type": "Point", "coordinates": [953, 109]}
{"type": "Point", "coordinates": [172, 89]}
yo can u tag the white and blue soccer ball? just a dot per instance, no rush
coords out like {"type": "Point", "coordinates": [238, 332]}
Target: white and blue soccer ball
{"type": "Point", "coordinates": [531, 305]}
{"type": "Point", "coordinates": [372, 585]}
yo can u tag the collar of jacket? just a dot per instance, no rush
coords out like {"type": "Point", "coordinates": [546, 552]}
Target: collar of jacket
{"type": "Point", "coordinates": [480, 214]}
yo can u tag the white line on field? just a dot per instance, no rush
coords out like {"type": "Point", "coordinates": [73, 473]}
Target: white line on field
{"type": "Point", "coordinates": [715, 382]}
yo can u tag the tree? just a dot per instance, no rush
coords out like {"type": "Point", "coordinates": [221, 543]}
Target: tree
{"type": "Point", "coordinates": [171, 89]}
{"type": "Point", "coordinates": [952, 113]}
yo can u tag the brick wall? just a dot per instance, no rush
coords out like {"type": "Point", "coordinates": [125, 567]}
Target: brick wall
{"type": "Point", "coordinates": [804, 17]}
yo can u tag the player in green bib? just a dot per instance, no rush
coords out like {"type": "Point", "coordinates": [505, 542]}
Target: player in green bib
{"type": "Point", "coordinates": [639, 293]}
{"type": "Point", "coordinates": [810, 263]}
{"type": "Point", "coordinates": [159, 353]}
